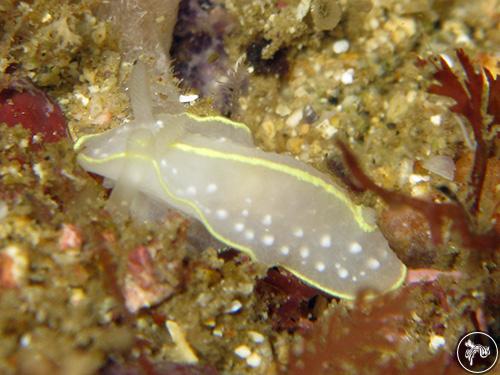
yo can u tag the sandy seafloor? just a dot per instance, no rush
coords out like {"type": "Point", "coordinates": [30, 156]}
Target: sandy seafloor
{"type": "Point", "coordinates": [85, 290]}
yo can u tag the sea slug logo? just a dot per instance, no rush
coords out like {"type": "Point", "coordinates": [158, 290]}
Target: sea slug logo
{"type": "Point", "coordinates": [477, 352]}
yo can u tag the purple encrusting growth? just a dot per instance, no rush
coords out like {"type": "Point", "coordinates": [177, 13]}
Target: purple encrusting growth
{"type": "Point", "coordinates": [200, 60]}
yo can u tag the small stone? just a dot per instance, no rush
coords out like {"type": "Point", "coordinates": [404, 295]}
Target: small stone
{"type": "Point", "coordinates": [188, 98]}
{"type": "Point", "coordinates": [184, 351]}
{"type": "Point", "coordinates": [302, 9]}
{"type": "Point", "coordinates": [294, 145]}
{"type": "Point", "coordinates": [436, 342]}
{"type": "Point", "coordinates": [13, 266]}
{"type": "Point", "coordinates": [217, 332]}
{"type": "Point", "coordinates": [254, 360]}
{"type": "Point", "coordinates": [269, 129]}
{"type": "Point", "coordinates": [417, 178]}
{"type": "Point", "coordinates": [341, 46]}
{"type": "Point", "coordinates": [304, 129]}
{"type": "Point", "coordinates": [210, 322]}
{"type": "Point", "coordinates": [327, 129]}
{"type": "Point", "coordinates": [70, 238]}
{"type": "Point", "coordinates": [256, 337]}
{"type": "Point", "coordinates": [234, 307]}
{"type": "Point", "coordinates": [25, 340]}
{"type": "Point", "coordinates": [309, 114]}
{"type": "Point", "coordinates": [347, 77]}
{"type": "Point", "coordinates": [242, 351]}
{"type": "Point", "coordinates": [436, 120]}
{"type": "Point", "coordinates": [77, 296]}
{"type": "Point", "coordinates": [294, 119]}
{"type": "Point", "coordinates": [300, 92]}
{"type": "Point", "coordinates": [283, 110]}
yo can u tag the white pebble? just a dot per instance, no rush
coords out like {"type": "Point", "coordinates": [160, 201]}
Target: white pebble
{"type": "Point", "coordinates": [25, 340]}
{"type": "Point", "coordinates": [341, 46]}
{"type": "Point", "coordinates": [238, 227]}
{"type": "Point", "coordinates": [257, 337]}
{"type": "Point", "coordinates": [417, 178]}
{"type": "Point", "coordinates": [282, 110]}
{"type": "Point", "coordinates": [188, 98]}
{"type": "Point", "coordinates": [436, 342]}
{"type": "Point", "coordinates": [436, 120]}
{"type": "Point", "coordinates": [254, 360]}
{"type": "Point", "coordinates": [285, 250]}
{"type": "Point", "coordinates": [234, 307]}
{"type": "Point", "coordinates": [304, 252]}
{"type": "Point", "coordinates": [347, 77]}
{"type": "Point", "coordinates": [294, 119]}
{"type": "Point", "coordinates": [242, 351]}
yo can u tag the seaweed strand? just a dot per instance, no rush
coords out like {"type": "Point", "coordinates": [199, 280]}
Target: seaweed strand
{"type": "Point", "coordinates": [468, 103]}
{"type": "Point", "coordinates": [435, 213]}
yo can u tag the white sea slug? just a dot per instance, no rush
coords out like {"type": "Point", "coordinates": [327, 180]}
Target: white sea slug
{"type": "Point", "coordinates": [273, 207]}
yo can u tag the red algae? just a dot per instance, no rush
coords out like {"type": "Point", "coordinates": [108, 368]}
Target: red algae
{"type": "Point", "coordinates": [22, 103]}
{"type": "Point", "coordinates": [468, 103]}
{"type": "Point", "coordinates": [290, 302]}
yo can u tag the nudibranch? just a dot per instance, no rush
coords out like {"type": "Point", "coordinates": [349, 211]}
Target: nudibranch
{"type": "Point", "coordinates": [273, 207]}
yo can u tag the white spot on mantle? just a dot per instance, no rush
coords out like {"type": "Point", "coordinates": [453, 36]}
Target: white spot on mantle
{"type": "Point", "coordinates": [211, 188]}
{"type": "Point", "coordinates": [285, 250]}
{"type": "Point", "coordinates": [343, 273]}
{"type": "Point", "coordinates": [373, 263]}
{"type": "Point", "coordinates": [326, 241]}
{"type": "Point", "coordinates": [267, 220]}
{"type": "Point", "coordinates": [320, 266]}
{"type": "Point", "coordinates": [221, 214]}
{"type": "Point", "coordinates": [355, 248]}
{"type": "Point", "coordinates": [268, 239]}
